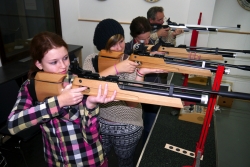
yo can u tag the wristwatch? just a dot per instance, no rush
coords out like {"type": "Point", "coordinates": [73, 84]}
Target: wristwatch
{"type": "Point", "coordinates": [245, 4]}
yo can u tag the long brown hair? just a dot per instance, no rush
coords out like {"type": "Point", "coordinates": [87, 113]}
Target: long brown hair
{"type": "Point", "coordinates": [40, 45]}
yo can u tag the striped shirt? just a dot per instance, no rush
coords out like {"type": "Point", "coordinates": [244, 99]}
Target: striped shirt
{"type": "Point", "coordinates": [70, 134]}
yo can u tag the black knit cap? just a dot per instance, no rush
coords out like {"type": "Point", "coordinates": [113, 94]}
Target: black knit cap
{"type": "Point", "coordinates": [104, 30]}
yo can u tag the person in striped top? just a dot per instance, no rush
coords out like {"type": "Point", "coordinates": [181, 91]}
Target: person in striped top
{"type": "Point", "coordinates": [69, 122]}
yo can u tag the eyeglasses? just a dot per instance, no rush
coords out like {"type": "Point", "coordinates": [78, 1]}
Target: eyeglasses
{"type": "Point", "coordinates": [162, 20]}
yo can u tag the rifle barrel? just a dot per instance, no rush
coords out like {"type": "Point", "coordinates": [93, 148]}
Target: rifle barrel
{"type": "Point", "coordinates": [198, 63]}
{"type": "Point", "coordinates": [238, 95]}
{"type": "Point", "coordinates": [219, 49]}
{"type": "Point", "coordinates": [200, 95]}
{"type": "Point", "coordinates": [203, 27]}
{"type": "Point", "coordinates": [224, 54]}
{"type": "Point", "coordinates": [187, 64]}
{"type": "Point", "coordinates": [203, 99]}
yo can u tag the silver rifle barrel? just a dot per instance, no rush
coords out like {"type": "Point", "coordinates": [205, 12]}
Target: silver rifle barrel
{"type": "Point", "coordinates": [203, 27]}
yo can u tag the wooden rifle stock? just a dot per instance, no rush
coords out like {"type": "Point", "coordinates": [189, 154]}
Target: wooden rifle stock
{"type": "Point", "coordinates": [183, 53]}
{"type": "Point", "coordinates": [107, 59]}
{"type": "Point", "coordinates": [159, 63]}
{"type": "Point", "coordinates": [48, 84]}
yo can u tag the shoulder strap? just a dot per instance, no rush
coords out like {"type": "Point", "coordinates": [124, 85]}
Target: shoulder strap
{"type": "Point", "coordinates": [32, 90]}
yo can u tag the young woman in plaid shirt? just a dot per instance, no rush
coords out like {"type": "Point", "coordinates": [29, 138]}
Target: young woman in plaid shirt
{"type": "Point", "coordinates": [68, 122]}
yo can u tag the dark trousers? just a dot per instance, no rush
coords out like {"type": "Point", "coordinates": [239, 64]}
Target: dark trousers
{"type": "Point", "coordinates": [149, 114]}
{"type": "Point", "coordinates": [149, 110]}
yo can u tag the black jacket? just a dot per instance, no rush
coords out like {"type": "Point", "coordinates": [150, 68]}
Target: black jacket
{"type": "Point", "coordinates": [149, 77]}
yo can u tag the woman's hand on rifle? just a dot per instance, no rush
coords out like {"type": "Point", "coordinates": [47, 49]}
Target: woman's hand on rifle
{"type": "Point", "coordinates": [193, 55]}
{"type": "Point", "coordinates": [140, 73]}
{"type": "Point", "coordinates": [145, 71]}
{"type": "Point", "coordinates": [70, 96]}
{"type": "Point", "coordinates": [126, 66]}
{"type": "Point", "coordinates": [102, 97]}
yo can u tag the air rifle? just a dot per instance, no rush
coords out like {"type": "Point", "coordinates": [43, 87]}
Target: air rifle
{"type": "Point", "coordinates": [159, 26]}
{"type": "Point", "coordinates": [188, 27]}
{"type": "Point", "coordinates": [107, 59]}
{"type": "Point", "coordinates": [49, 84]}
{"type": "Point", "coordinates": [224, 52]}
{"type": "Point", "coordinates": [205, 64]}
{"type": "Point", "coordinates": [189, 66]}
{"type": "Point", "coordinates": [182, 52]}
{"type": "Point", "coordinates": [209, 53]}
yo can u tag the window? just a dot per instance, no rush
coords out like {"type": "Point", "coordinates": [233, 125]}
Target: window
{"type": "Point", "coordinates": [20, 20]}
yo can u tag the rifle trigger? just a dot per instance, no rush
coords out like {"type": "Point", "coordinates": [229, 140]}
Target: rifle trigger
{"type": "Point", "coordinates": [139, 63]}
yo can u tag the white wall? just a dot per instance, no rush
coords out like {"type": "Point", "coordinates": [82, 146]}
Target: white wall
{"type": "Point", "coordinates": [195, 8]}
{"type": "Point", "coordinates": [69, 19]}
{"type": "Point", "coordinates": [230, 13]}
{"type": "Point", "coordinates": [81, 32]}
{"type": "Point", "coordinates": [123, 12]}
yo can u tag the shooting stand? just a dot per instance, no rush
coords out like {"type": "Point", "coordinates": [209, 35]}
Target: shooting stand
{"type": "Point", "coordinates": [209, 113]}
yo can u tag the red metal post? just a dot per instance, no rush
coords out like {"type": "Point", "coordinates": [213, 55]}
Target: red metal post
{"type": "Point", "coordinates": [195, 33]}
{"type": "Point", "coordinates": [207, 120]}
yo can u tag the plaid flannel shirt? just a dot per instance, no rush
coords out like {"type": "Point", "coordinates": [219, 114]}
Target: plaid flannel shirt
{"type": "Point", "coordinates": [70, 134]}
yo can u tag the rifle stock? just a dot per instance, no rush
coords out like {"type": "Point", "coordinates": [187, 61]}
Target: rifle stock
{"type": "Point", "coordinates": [107, 59]}
{"type": "Point", "coordinates": [111, 58]}
{"type": "Point", "coordinates": [183, 53]}
{"type": "Point", "coordinates": [159, 63]}
{"type": "Point", "coordinates": [48, 84]}
{"type": "Point", "coordinates": [127, 95]}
